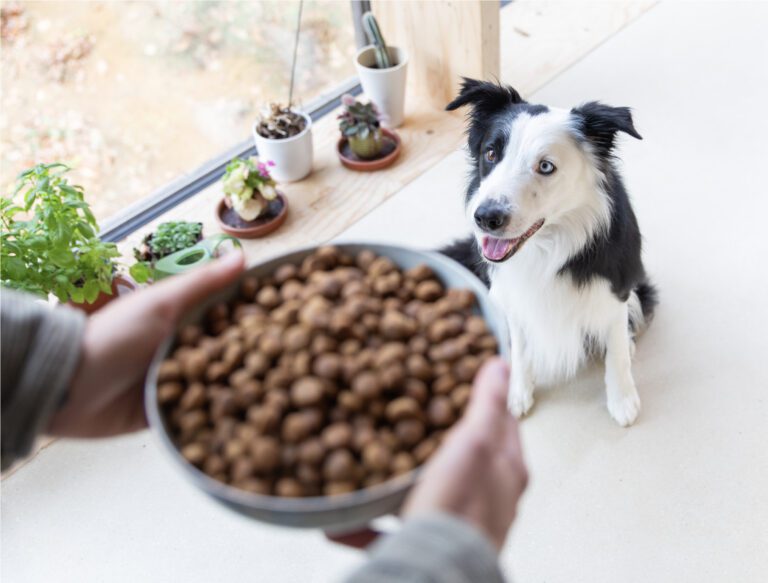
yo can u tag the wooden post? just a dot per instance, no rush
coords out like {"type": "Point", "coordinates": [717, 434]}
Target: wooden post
{"type": "Point", "coordinates": [445, 40]}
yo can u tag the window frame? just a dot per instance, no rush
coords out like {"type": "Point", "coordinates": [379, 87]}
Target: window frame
{"type": "Point", "coordinates": [137, 215]}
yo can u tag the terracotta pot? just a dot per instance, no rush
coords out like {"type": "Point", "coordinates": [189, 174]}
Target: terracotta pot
{"type": "Point", "coordinates": [121, 284]}
{"type": "Point", "coordinates": [391, 151]}
{"type": "Point", "coordinates": [261, 227]}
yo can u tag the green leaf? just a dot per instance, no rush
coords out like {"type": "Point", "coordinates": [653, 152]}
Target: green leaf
{"type": "Point", "coordinates": [29, 198]}
{"type": "Point", "coordinates": [76, 294]}
{"type": "Point", "coordinates": [140, 272]}
{"type": "Point", "coordinates": [13, 268]}
{"type": "Point", "coordinates": [91, 289]}
{"type": "Point", "coordinates": [61, 256]}
{"type": "Point", "coordinates": [86, 230]}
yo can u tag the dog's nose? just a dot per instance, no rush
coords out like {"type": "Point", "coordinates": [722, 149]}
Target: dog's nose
{"type": "Point", "coordinates": [490, 216]}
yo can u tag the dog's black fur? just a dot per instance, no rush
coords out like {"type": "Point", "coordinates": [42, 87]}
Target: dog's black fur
{"type": "Point", "coordinates": [615, 255]}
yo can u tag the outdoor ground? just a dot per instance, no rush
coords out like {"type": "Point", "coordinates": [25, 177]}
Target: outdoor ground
{"type": "Point", "coordinates": [679, 497]}
{"type": "Point", "coordinates": [113, 88]}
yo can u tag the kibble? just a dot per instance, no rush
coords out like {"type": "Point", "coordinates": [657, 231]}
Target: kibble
{"type": "Point", "coordinates": [325, 377]}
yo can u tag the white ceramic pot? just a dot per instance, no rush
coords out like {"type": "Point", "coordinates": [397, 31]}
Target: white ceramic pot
{"type": "Point", "coordinates": [385, 87]}
{"type": "Point", "coordinates": [292, 156]}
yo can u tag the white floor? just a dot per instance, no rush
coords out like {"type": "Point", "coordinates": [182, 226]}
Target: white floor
{"type": "Point", "coordinates": [679, 497]}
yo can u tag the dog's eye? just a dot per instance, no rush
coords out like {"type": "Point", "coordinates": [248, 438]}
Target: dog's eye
{"type": "Point", "coordinates": [546, 167]}
{"type": "Point", "coordinates": [490, 155]}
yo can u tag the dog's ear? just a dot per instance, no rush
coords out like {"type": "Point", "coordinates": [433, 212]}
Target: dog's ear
{"type": "Point", "coordinates": [484, 96]}
{"type": "Point", "coordinates": [599, 123]}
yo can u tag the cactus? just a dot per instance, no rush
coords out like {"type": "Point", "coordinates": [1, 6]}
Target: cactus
{"type": "Point", "coordinates": [373, 33]}
{"type": "Point", "coordinates": [360, 124]}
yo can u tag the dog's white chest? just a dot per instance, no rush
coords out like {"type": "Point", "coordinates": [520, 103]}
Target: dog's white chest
{"type": "Point", "coordinates": [551, 318]}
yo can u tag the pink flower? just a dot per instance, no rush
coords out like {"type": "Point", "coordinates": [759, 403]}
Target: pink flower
{"type": "Point", "coordinates": [270, 163]}
{"type": "Point", "coordinates": [347, 99]}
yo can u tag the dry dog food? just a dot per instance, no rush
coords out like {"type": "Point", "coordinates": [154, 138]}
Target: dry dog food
{"type": "Point", "coordinates": [325, 377]}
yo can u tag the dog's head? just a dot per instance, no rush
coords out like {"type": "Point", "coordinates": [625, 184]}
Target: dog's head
{"type": "Point", "coordinates": [533, 165]}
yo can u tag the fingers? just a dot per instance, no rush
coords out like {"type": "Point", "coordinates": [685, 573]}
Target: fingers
{"type": "Point", "coordinates": [189, 289]}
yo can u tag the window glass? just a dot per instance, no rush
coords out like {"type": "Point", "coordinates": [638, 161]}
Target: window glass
{"type": "Point", "coordinates": [133, 94]}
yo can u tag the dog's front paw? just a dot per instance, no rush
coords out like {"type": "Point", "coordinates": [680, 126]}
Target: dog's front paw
{"type": "Point", "coordinates": [625, 408]}
{"type": "Point", "coordinates": [520, 400]}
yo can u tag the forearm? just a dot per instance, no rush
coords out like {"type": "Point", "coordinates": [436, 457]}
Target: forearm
{"type": "Point", "coordinates": [434, 548]}
{"type": "Point", "coordinates": [40, 352]}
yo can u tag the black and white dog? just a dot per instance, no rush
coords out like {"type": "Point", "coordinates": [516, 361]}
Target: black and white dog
{"type": "Point", "coordinates": [556, 239]}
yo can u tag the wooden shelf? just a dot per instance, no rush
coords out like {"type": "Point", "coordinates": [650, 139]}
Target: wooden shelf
{"type": "Point", "coordinates": [332, 197]}
{"type": "Point", "coordinates": [539, 40]}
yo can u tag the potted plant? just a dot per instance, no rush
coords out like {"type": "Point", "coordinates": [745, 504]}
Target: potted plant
{"type": "Point", "coordinates": [169, 238]}
{"type": "Point", "coordinates": [50, 244]}
{"type": "Point", "coordinates": [252, 206]}
{"type": "Point", "coordinates": [284, 136]}
{"type": "Point", "coordinates": [364, 144]}
{"type": "Point", "coordinates": [382, 71]}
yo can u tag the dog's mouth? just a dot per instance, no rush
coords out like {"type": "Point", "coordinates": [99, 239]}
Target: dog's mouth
{"type": "Point", "coordinates": [498, 250]}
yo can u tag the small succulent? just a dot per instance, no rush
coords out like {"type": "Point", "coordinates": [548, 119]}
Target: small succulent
{"type": "Point", "coordinates": [174, 236]}
{"type": "Point", "coordinates": [278, 122]}
{"type": "Point", "coordinates": [360, 123]}
{"type": "Point", "coordinates": [249, 187]}
{"type": "Point", "coordinates": [169, 238]}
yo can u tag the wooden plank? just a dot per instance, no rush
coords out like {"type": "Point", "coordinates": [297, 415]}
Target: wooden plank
{"type": "Point", "coordinates": [444, 40]}
{"type": "Point", "coordinates": [332, 197]}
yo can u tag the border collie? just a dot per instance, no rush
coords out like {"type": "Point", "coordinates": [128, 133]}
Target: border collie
{"type": "Point", "coordinates": [555, 238]}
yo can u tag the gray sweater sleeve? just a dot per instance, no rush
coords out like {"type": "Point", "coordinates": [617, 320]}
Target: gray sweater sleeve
{"type": "Point", "coordinates": [39, 354]}
{"type": "Point", "coordinates": [438, 548]}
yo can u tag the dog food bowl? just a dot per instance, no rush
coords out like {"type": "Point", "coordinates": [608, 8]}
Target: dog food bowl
{"type": "Point", "coordinates": [333, 513]}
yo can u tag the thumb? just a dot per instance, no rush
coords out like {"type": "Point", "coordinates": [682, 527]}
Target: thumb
{"type": "Point", "coordinates": [487, 406]}
{"type": "Point", "coordinates": [185, 291]}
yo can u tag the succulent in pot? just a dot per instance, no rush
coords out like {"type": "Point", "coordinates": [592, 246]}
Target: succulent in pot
{"type": "Point", "coordinates": [49, 241]}
{"type": "Point", "coordinates": [284, 136]}
{"type": "Point", "coordinates": [248, 187]}
{"type": "Point", "coordinates": [278, 122]}
{"type": "Point", "coordinates": [360, 123]}
{"type": "Point", "coordinates": [252, 206]}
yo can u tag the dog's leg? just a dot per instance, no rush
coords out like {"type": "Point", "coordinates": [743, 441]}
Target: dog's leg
{"type": "Point", "coordinates": [521, 387]}
{"type": "Point", "coordinates": [623, 400]}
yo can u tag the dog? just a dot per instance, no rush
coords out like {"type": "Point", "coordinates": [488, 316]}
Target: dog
{"type": "Point", "coordinates": [556, 239]}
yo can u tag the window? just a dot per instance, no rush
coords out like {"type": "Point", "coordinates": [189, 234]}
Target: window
{"type": "Point", "coordinates": [136, 94]}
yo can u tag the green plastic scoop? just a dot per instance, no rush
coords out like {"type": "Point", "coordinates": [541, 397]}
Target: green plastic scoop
{"type": "Point", "coordinates": [191, 257]}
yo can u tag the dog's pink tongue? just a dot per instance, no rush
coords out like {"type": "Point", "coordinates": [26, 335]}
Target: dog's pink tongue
{"type": "Point", "coordinates": [495, 249]}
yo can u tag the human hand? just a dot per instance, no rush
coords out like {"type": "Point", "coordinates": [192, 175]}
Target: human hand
{"type": "Point", "coordinates": [478, 474]}
{"type": "Point", "coordinates": [106, 396]}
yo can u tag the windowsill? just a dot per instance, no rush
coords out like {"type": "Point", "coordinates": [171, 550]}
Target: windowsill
{"type": "Point", "coordinates": [333, 198]}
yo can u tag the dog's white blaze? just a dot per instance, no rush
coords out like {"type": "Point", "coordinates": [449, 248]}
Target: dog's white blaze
{"type": "Point", "coordinates": [569, 197]}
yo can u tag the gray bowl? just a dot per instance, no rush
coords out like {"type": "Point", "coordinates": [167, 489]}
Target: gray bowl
{"type": "Point", "coordinates": [336, 513]}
